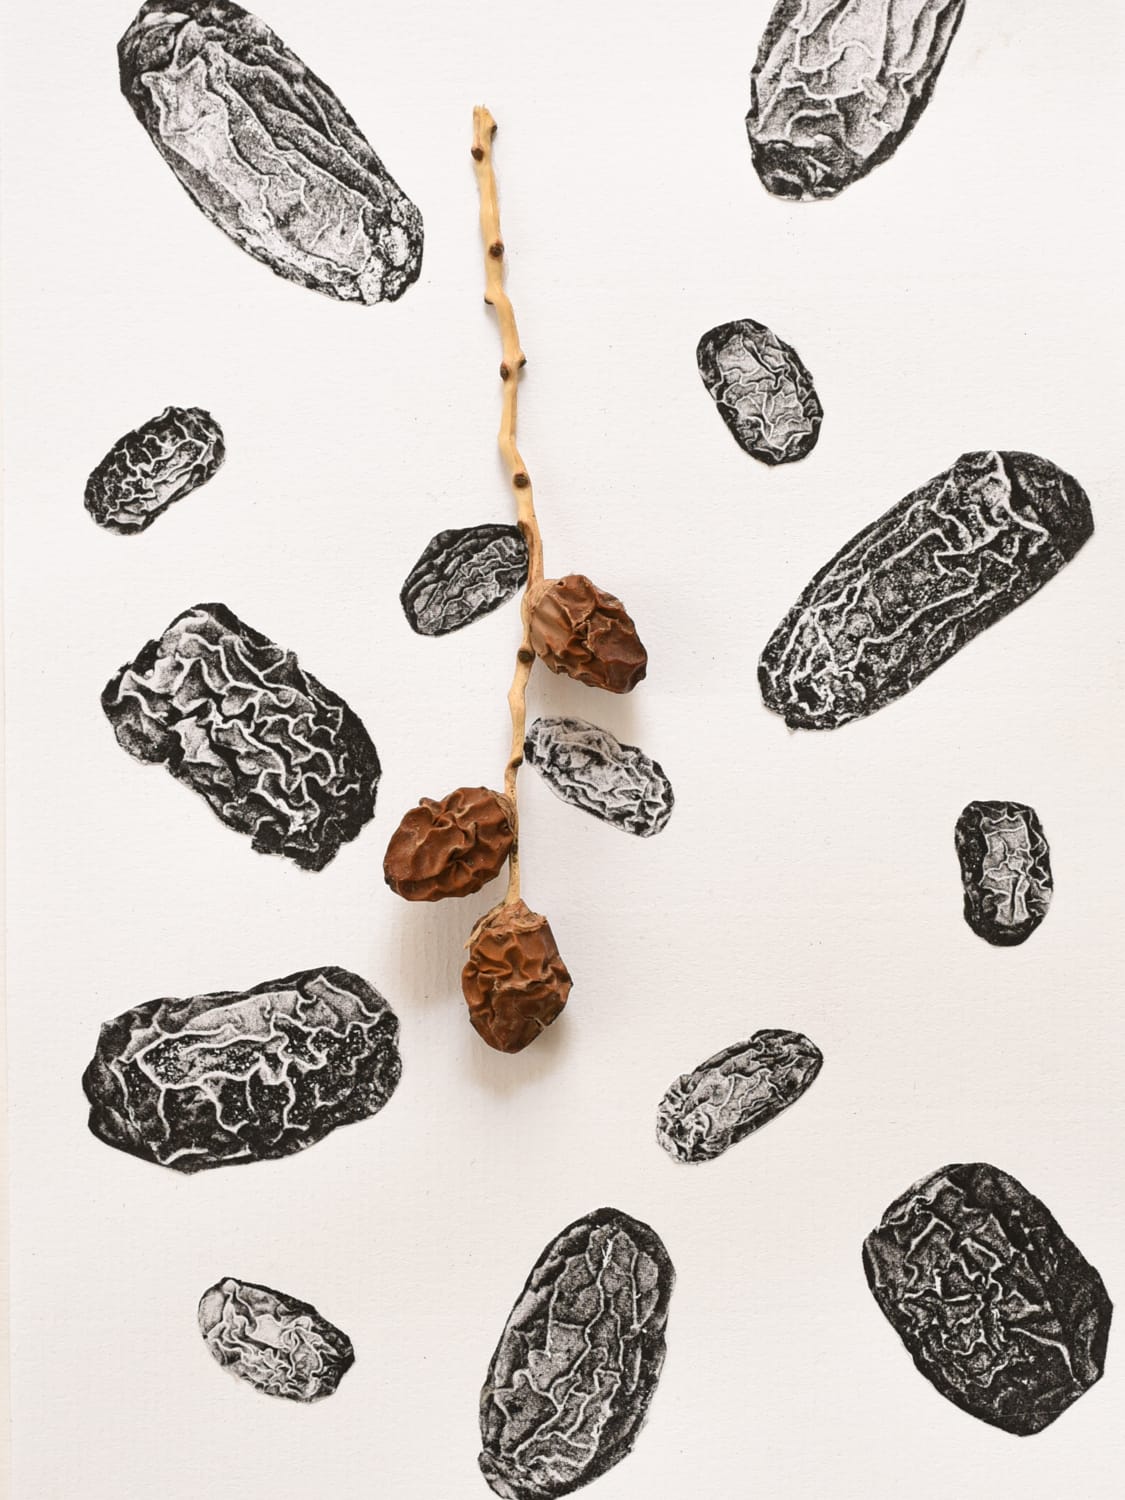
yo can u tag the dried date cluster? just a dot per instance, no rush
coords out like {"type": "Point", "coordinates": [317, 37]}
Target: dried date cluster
{"type": "Point", "coordinates": [514, 981]}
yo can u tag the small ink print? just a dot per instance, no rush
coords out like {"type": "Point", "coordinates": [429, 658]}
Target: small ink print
{"type": "Point", "coordinates": [277, 1344]}
{"type": "Point", "coordinates": [998, 1309]}
{"type": "Point", "coordinates": [1005, 870]}
{"type": "Point", "coordinates": [150, 468]}
{"type": "Point", "coordinates": [463, 576]}
{"type": "Point", "coordinates": [762, 389]}
{"type": "Point", "coordinates": [267, 151]}
{"type": "Point", "coordinates": [734, 1093]}
{"type": "Point", "coordinates": [243, 1075]}
{"type": "Point", "coordinates": [919, 583]}
{"type": "Point", "coordinates": [577, 1365]}
{"type": "Point", "coordinates": [839, 85]}
{"type": "Point", "coordinates": [588, 768]}
{"type": "Point", "coordinates": [272, 751]}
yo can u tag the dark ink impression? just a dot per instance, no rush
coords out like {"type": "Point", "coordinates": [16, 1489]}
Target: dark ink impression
{"type": "Point", "coordinates": [997, 1308]}
{"type": "Point", "coordinates": [243, 1075]}
{"type": "Point", "coordinates": [273, 752]}
{"type": "Point", "coordinates": [577, 1365]}
{"type": "Point", "coordinates": [919, 583]}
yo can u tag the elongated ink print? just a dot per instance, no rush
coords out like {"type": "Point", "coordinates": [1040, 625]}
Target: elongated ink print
{"type": "Point", "coordinates": [919, 583]}
{"type": "Point", "coordinates": [462, 576]}
{"type": "Point", "coordinates": [243, 1076]}
{"type": "Point", "coordinates": [734, 1093]}
{"type": "Point", "coordinates": [267, 151]}
{"type": "Point", "coordinates": [1005, 870]}
{"type": "Point", "coordinates": [276, 1343]}
{"type": "Point", "coordinates": [150, 468]}
{"type": "Point", "coordinates": [274, 753]}
{"type": "Point", "coordinates": [589, 768]}
{"type": "Point", "coordinates": [570, 1384]}
{"type": "Point", "coordinates": [998, 1309]}
{"type": "Point", "coordinates": [839, 85]}
{"type": "Point", "coordinates": [762, 389]}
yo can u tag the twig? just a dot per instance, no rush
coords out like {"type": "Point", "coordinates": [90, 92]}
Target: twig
{"type": "Point", "coordinates": [511, 368]}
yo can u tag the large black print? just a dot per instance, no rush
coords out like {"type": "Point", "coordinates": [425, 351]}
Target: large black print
{"type": "Point", "coordinates": [576, 1367]}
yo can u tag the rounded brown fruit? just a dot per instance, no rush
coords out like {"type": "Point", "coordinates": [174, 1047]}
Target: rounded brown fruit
{"type": "Point", "coordinates": [584, 633]}
{"type": "Point", "coordinates": [449, 848]}
{"type": "Point", "coordinates": [514, 982]}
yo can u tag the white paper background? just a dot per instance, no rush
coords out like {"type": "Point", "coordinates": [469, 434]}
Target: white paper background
{"type": "Point", "coordinates": [963, 296]}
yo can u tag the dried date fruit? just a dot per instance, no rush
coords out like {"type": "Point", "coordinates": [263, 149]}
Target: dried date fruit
{"type": "Point", "coordinates": [1005, 870]}
{"type": "Point", "coordinates": [838, 86]}
{"type": "Point", "coordinates": [514, 981]}
{"type": "Point", "coordinates": [919, 583]}
{"type": "Point", "coordinates": [763, 391]}
{"type": "Point", "coordinates": [997, 1308]}
{"type": "Point", "coordinates": [579, 631]}
{"type": "Point", "coordinates": [150, 468]}
{"type": "Point", "coordinates": [590, 769]}
{"type": "Point", "coordinates": [462, 576]}
{"type": "Point", "coordinates": [576, 1368]}
{"type": "Point", "coordinates": [267, 151]}
{"type": "Point", "coordinates": [734, 1093]}
{"type": "Point", "coordinates": [274, 753]}
{"type": "Point", "coordinates": [450, 848]}
{"type": "Point", "coordinates": [243, 1075]}
{"type": "Point", "coordinates": [277, 1344]}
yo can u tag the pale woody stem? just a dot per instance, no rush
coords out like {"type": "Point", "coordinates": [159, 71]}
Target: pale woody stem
{"type": "Point", "coordinates": [511, 368]}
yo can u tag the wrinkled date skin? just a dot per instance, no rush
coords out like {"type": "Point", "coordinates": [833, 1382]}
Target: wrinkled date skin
{"type": "Point", "coordinates": [273, 752]}
{"type": "Point", "coordinates": [450, 848]}
{"type": "Point", "coordinates": [588, 768]}
{"type": "Point", "coordinates": [734, 1093]}
{"type": "Point", "coordinates": [267, 151]}
{"type": "Point", "coordinates": [462, 576]}
{"type": "Point", "coordinates": [996, 1306]}
{"type": "Point", "coordinates": [580, 631]}
{"type": "Point", "coordinates": [919, 583]}
{"type": "Point", "coordinates": [762, 389]}
{"type": "Point", "coordinates": [1005, 870]}
{"type": "Point", "coordinates": [279, 1345]}
{"type": "Point", "coordinates": [839, 85]}
{"type": "Point", "coordinates": [243, 1075]}
{"type": "Point", "coordinates": [514, 980]}
{"type": "Point", "coordinates": [577, 1365]}
{"type": "Point", "coordinates": [150, 468]}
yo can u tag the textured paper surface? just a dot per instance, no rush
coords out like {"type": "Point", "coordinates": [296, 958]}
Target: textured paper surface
{"type": "Point", "coordinates": [963, 296]}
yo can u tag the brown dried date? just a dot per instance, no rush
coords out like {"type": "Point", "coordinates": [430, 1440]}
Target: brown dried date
{"type": "Point", "coordinates": [449, 848]}
{"type": "Point", "coordinates": [582, 632]}
{"type": "Point", "coordinates": [514, 982]}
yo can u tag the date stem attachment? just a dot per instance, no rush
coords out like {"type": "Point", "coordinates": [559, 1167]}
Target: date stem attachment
{"type": "Point", "coordinates": [511, 369]}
